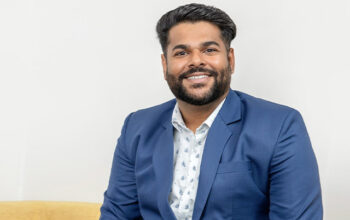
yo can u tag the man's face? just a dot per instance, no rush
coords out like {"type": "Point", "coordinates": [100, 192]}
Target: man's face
{"type": "Point", "coordinates": [198, 67]}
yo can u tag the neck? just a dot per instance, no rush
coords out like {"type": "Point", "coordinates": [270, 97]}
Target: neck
{"type": "Point", "coordinates": [195, 115]}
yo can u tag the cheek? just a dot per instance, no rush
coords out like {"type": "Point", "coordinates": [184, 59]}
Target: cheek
{"type": "Point", "coordinates": [218, 62]}
{"type": "Point", "coordinates": [171, 79]}
{"type": "Point", "coordinates": [175, 67]}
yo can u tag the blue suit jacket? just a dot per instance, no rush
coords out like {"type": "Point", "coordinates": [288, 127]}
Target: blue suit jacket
{"type": "Point", "coordinates": [257, 163]}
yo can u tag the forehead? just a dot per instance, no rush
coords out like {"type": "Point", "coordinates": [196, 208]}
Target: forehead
{"type": "Point", "coordinates": [194, 33]}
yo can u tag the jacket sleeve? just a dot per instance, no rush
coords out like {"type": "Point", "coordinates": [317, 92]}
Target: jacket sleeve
{"type": "Point", "coordinates": [295, 191]}
{"type": "Point", "coordinates": [120, 199]}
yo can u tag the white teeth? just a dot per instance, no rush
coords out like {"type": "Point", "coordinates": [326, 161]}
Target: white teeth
{"type": "Point", "coordinates": [198, 77]}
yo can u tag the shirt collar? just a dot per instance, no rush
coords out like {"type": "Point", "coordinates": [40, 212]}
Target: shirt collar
{"type": "Point", "coordinates": [179, 123]}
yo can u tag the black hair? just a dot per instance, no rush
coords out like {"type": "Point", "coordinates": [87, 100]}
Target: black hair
{"type": "Point", "coordinates": [194, 13]}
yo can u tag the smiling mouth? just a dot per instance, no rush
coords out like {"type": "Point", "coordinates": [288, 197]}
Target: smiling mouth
{"type": "Point", "coordinates": [198, 77]}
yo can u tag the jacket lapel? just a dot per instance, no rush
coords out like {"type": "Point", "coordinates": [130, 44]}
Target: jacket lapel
{"type": "Point", "coordinates": [219, 133]}
{"type": "Point", "coordinates": [163, 166]}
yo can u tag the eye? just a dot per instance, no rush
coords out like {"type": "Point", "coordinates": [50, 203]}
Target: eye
{"type": "Point", "coordinates": [210, 50]}
{"type": "Point", "coordinates": [180, 53]}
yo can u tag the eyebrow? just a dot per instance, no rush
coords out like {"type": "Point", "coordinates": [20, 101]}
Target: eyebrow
{"type": "Point", "coordinates": [205, 44]}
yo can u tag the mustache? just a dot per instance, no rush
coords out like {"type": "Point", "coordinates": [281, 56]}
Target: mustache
{"type": "Point", "coordinates": [198, 69]}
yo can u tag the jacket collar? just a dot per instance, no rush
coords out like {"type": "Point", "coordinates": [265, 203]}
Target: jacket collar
{"type": "Point", "coordinates": [230, 111]}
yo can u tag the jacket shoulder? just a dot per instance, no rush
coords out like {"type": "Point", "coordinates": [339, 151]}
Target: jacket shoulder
{"type": "Point", "coordinates": [149, 118]}
{"type": "Point", "coordinates": [154, 113]}
{"type": "Point", "coordinates": [264, 107]}
{"type": "Point", "coordinates": [265, 117]}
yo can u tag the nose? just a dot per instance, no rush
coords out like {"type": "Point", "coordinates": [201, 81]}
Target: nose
{"type": "Point", "coordinates": [196, 59]}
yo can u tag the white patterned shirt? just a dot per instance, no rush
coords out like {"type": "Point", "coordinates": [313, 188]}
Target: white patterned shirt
{"type": "Point", "coordinates": [188, 150]}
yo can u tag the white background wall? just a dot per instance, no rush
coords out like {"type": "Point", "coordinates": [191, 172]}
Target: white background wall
{"type": "Point", "coordinates": [71, 70]}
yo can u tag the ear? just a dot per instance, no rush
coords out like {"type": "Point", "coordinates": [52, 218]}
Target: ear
{"type": "Point", "coordinates": [231, 59]}
{"type": "Point", "coordinates": [164, 65]}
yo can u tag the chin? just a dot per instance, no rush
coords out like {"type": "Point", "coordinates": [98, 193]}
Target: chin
{"type": "Point", "coordinates": [199, 94]}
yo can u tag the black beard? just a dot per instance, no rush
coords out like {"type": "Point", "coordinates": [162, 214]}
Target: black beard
{"type": "Point", "coordinates": [216, 91]}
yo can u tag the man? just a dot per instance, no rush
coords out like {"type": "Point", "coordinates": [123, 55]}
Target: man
{"type": "Point", "coordinates": [212, 153]}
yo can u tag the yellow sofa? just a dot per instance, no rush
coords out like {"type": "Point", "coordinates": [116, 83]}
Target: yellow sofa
{"type": "Point", "coordinates": [42, 210]}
